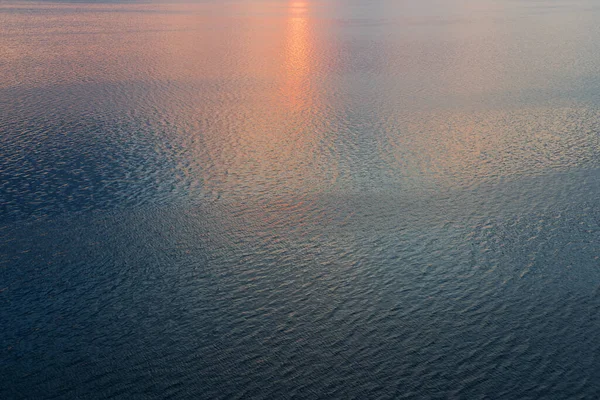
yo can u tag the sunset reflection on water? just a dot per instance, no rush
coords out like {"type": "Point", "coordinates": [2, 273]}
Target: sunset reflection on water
{"type": "Point", "coordinates": [279, 141]}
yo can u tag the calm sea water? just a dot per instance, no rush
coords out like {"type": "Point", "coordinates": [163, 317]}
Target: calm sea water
{"type": "Point", "coordinates": [300, 199]}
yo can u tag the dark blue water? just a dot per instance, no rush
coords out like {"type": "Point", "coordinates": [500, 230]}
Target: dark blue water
{"type": "Point", "coordinates": [300, 199]}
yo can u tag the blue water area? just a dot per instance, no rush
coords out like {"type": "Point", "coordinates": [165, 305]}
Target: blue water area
{"type": "Point", "coordinates": [300, 199]}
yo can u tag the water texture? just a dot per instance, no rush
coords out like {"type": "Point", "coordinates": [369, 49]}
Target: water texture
{"type": "Point", "coordinates": [390, 199]}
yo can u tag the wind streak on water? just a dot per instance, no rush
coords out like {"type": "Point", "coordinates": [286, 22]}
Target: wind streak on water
{"type": "Point", "coordinates": [299, 199]}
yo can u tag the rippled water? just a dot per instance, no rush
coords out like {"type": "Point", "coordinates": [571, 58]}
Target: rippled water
{"type": "Point", "coordinates": [300, 199]}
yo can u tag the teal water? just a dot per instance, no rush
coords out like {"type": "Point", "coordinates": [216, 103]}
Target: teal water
{"type": "Point", "coordinates": [300, 199]}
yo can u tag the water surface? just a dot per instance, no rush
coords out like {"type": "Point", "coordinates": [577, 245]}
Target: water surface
{"type": "Point", "coordinates": [300, 199]}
